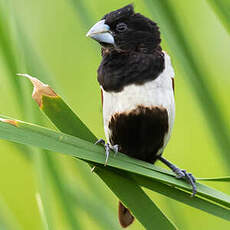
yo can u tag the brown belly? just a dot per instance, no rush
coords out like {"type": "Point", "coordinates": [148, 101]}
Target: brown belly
{"type": "Point", "coordinates": [140, 133]}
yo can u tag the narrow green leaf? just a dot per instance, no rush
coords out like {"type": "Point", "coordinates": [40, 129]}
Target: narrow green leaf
{"type": "Point", "coordinates": [51, 140]}
{"type": "Point", "coordinates": [216, 179]}
{"type": "Point", "coordinates": [64, 118]}
{"type": "Point", "coordinates": [45, 138]}
{"type": "Point", "coordinates": [151, 216]}
{"type": "Point", "coordinates": [222, 9]}
{"type": "Point", "coordinates": [178, 195]}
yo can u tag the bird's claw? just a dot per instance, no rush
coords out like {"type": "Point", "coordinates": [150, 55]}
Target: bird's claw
{"type": "Point", "coordinates": [115, 148]}
{"type": "Point", "coordinates": [189, 178]}
{"type": "Point", "coordinates": [100, 141]}
{"type": "Point", "coordinates": [181, 174]}
{"type": "Point", "coordinates": [107, 147]}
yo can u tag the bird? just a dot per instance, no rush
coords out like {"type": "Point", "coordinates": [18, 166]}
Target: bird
{"type": "Point", "coordinates": [136, 78]}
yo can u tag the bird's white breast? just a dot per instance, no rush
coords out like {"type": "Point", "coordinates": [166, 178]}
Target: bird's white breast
{"type": "Point", "coordinates": [158, 92]}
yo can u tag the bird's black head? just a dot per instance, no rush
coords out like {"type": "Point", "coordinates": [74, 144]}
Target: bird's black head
{"type": "Point", "coordinates": [124, 30]}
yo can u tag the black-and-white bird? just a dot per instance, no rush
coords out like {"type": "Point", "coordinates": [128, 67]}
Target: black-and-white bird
{"type": "Point", "coordinates": [137, 83]}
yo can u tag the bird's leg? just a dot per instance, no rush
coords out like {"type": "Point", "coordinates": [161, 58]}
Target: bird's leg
{"type": "Point", "coordinates": [108, 147]}
{"type": "Point", "coordinates": [180, 173]}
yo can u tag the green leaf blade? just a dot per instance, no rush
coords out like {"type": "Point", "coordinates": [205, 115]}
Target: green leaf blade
{"type": "Point", "coordinates": [149, 216]}
{"type": "Point", "coordinates": [54, 141]}
{"type": "Point", "coordinates": [64, 118]}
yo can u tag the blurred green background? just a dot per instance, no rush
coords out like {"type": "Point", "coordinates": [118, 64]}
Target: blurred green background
{"type": "Point", "coordinates": [47, 39]}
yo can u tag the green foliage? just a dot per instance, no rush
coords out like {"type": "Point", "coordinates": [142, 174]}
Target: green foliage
{"type": "Point", "coordinates": [50, 34]}
{"type": "Point", "coordinates": [51, 140]}
{"type": "Point", "coordinates": [222, 8]}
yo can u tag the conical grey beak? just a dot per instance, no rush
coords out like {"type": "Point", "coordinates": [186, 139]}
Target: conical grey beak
{"type": "Point", "coordinates": [101, 33]}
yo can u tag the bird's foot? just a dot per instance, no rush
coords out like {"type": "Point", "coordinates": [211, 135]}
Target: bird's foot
{"type": "Point", "coordinates": [107, 147]}
{"type": "Point", "coordinates": [181, 174]}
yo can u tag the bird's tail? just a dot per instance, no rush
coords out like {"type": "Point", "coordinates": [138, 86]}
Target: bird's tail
{"type": "Point", "coordinates": [124, 215]}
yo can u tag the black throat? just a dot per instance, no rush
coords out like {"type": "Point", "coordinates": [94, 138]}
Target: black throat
{"type": "Point", "coordinates": [119, 69]}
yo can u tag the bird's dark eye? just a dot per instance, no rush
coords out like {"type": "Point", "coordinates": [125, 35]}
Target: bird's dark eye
{"type": "Point", "coordinates": [121, 27]}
